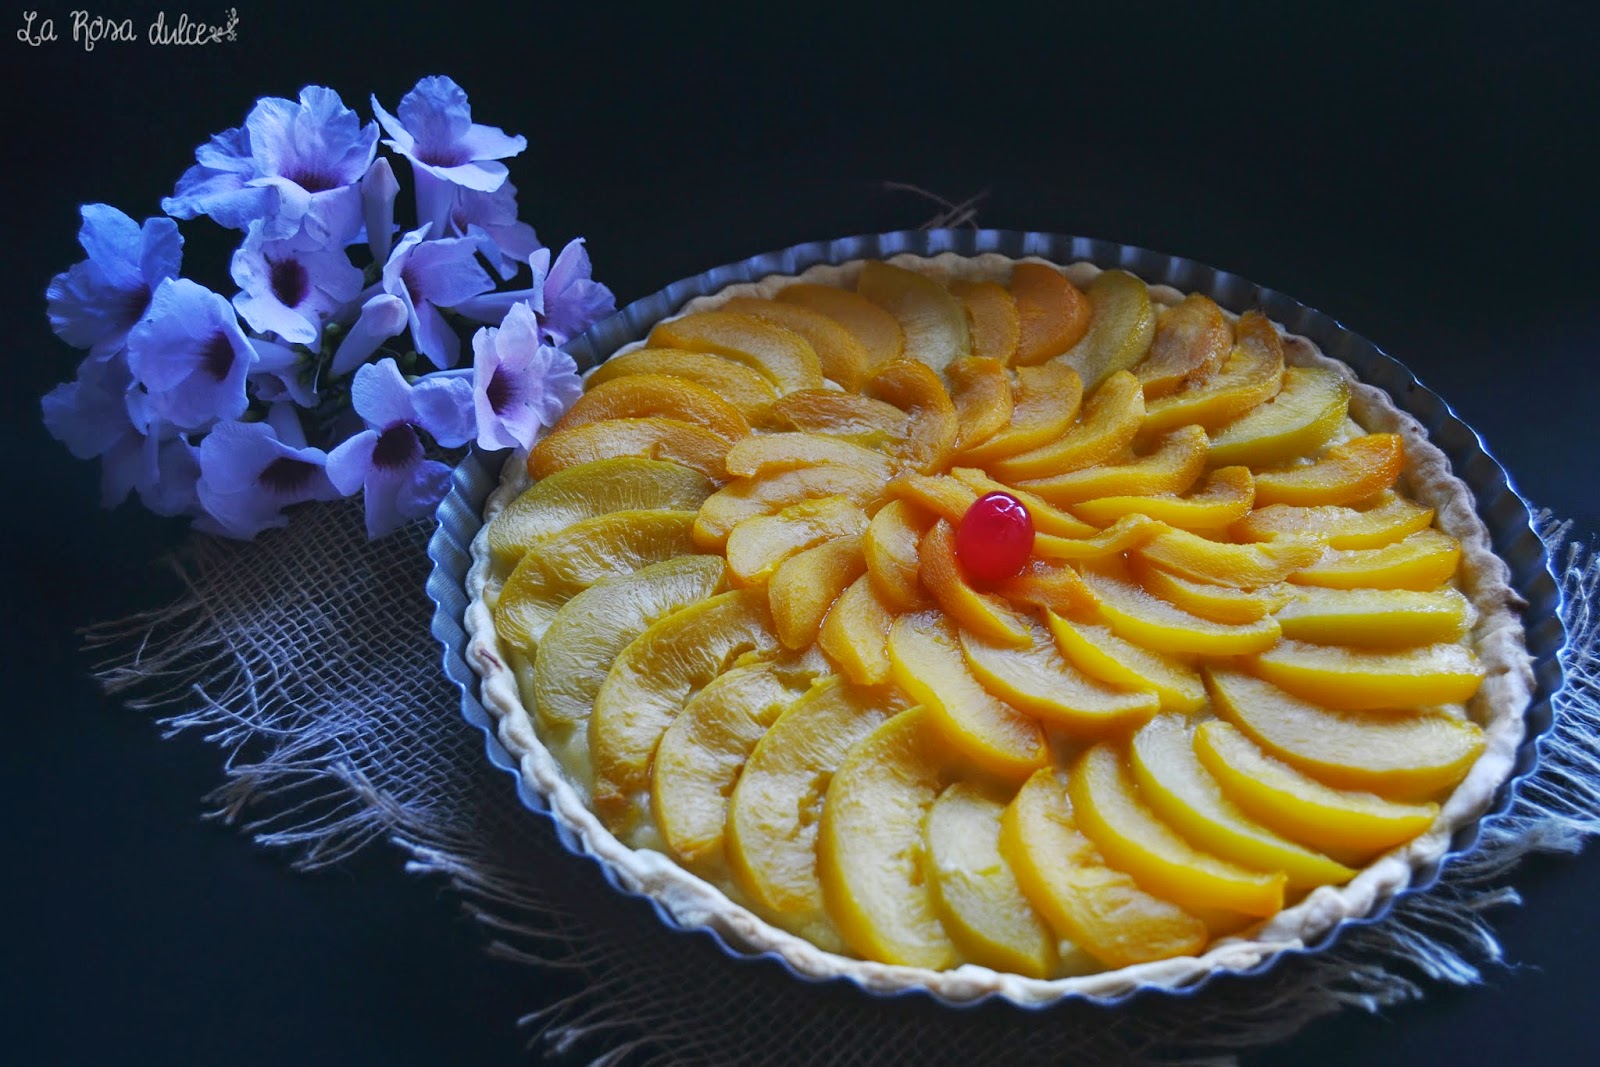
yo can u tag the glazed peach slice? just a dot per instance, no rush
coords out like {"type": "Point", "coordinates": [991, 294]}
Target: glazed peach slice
{"type": "Point", "coordinates": [942, 575]}
{"type": "Point", "coordinates": [1179, 790]}
{"type": "Point", "coordinates": [805, 586]}
{"type": "Point", "coordinates": [1176, 463]}
{"type": "Point", "coordinates": [1226, 497]}
{"type": "Point", "coordinates": [939, 494]}
{"type": "Point", "coordinates": [758, 545]}
{"type": "Point", "coordinates": [1375, 618]}
{"type": "Point", "coordinates": [1345, 474]}
{"type": "Point", "coordinates": [1351, 824]}
{"type": "Point", "coordinates": [1100, 909]}
{"type": "Point", "coordinates": [1219, 603]}
{"type": "Point", "coordinates": [925, 661]}
{"type": "Point", "coordinates": [1251, 375]}
{"type": "Point", "coordinates": [1108, 808]}
{"type": "Point", "coordinates": [1221, 563]}
{"type": "Point", "coordinates": [917, 390]}
{"type": "Point", "coordinates": [580, 493]}
{"type": "Point", "coordinates": [878, 331]}
{"type": "Point", "coordinates": [1126, 533]}
{"type": "Point", "coordinates": [992, 318]}
{"type": "Point", "coordinates": [770, 453]}
{"type": "Point", "coordinates": [1409, 757]}
{"type": "Point", "coordinates": [1053, 314]}
{"type": "Point", "coordinates": [750, 392]}
{"type": "Point", "coordinates": [745, 498]}
{"type": "Point", "coordinates": [785, 358]}
{"type": "Point", "coordinates": [1373, 523]}
{"type": "Point", "coordinates": [1037, 680]}
{"type": "Point", "coordinates": [1049, 585]}
{"type": "Point", "coordinates": [933, 320]}
{"type": "Point", "coordinates": [980, 389]}
{"type": "Point", "coordinates": [1307, 411]}
{"type": "Point", "coordinates": [773, 808]}
{"type": "Point", "coordinates": [1192, 340]}
{"type": "Point", "coordinates": [1098, 652]}
{"type": "Point", "coordinates": [642, 396]}
{"type": "Point", "coordinates": [1425, 560]}
{"type": "Point", "coordinates": [870, 856]}
{"type": "Point", "coordinates": [843, 358]}
{"type": "Point", "coordinates": [1358, 679]}
{"type": "Point", "coordinates": [858, 419]}
{"type": "Point", "coordinates": [669, 440]}
{"type": "Point", "coordinates": [1048, 519]}
{"type": "Point", "coordinates": [1155, 624]}
{"type": "Point", "coordinates": [891, 545]}
{"type": "Point", "coordinates": [1121, 328]}
{"type": "Point", "coordinates": [1110, 420]}
{"type": "Point", "coordinates": [855, 634]}
{"type": "Point", "coordinates": [1046, 402]}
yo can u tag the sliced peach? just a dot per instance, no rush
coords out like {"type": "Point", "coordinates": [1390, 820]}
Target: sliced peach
{"type": "Point", "coordinates": [1126, 533]}
{"type": "Point", "coordinates": [1110, 420]}
{"type": "Point", "coordinates": [1345, 474]}
{"type": "Point", "coordinates": [1047, 518]}
{"type": "Point", "coordinates": [843, 358]}
{"type": "Point", "coordinates": [1425, 560]}
{"type": "Point", "coordinates": [1120, 329]}
{"type": "Point", "coordinates": [917, 390]}
{"type": "Point", "coordinates": [1099, 653]}
{"type": "Point", "coordinates": [1192, 341]}
{"type": "Point", "coordinates": [1037, 680]}
{"type": "Point", "coordinates": [992, 318]}
{"type": "Point", "coordinates": [925, 661]}
{"type": "Point", "coordinates": [1341, 822]}
{"type": "Point", "coordinates": [1050, 585]}
{"type": "Point", "coordinates": [981, 392]}
{"type": "Point", "coordinates": [1375, 618]}
{"type": "Point", "coordinates": [1220, 603]}
{"type": "Point", "coordinates": [745, 498]}
{"type": "Point", "coordinates": [1177, 462]}
{"type": "Point", "coordinates": [942, 575]}
{"type": "Point", "coordinates": [1251, 375]}
{"type": "Point", "coordinates": [770, 453]}
{"type": "Point", "coordinates": [940, 494]}
{"type": "Point", "coordinates": [1226, 497]}
{"type": "Point", "coordinates": [1046, 403]}
{"type": "Point", "coordinates": [758, 545]}
{"type": "Point", "coordinates": [670, 440]}
{"type": "Point", "coordinates": [1305, 414]}
{"type": "Point", "coordinates": [855, 634]}
{"type": "Point", "coordinates": [805, 586]}
{"type": "Point", "coordinates": [891, 545]}
{"type": "Point", "coordinates": [641, 396]}
{"type": "Point", "coordinates": [1053, 314]}
{"type": "Point", "coordinates": [877, 330]}
{"type": "Point", "coordinates": [1150, 622]}
{"type": "Point", "coordinates": [750, 392]}
{"type": "Point", "coordinates": [1401, 757]}
{"type": "Point", "coordinates": [786, 359]}
{"type": "Point", "coordinates": [858, 419]}
{"type": "Point", "coordinates": [1102, 910]}
{"type": "Point", "coordinates": [1382, 520]}
{"type": "Point", "coordinates": [934, 321]}
{"type": "Point", "coordinates": [1355, 679]}
{"type": "Point", "coordinates": [1241, 566]}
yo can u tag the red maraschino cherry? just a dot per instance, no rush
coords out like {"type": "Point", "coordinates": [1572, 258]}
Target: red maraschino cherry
{"type": "Point", "coordinates": [995, 537]}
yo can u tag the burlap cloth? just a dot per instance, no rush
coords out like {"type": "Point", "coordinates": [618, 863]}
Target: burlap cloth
{"type": "Point", "coordinates": [306, 657]}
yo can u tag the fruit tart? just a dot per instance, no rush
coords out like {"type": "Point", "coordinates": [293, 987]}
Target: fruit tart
{"type": "Point", "coordinates": [991, 625]}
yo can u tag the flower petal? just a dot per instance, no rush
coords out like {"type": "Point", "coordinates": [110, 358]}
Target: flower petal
{"type": "Point", "coordinates": [444, 408]}
{"type": "Point", "coordinates": [381, 396]}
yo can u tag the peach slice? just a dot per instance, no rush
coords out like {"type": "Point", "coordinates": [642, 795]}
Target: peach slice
{"type": "Point", "coordinates": [1046, 403]}
{"type": "Point", "coordinates": [890, 545]}
{"type": "Point", "coordinates": [982, 906]}
{"type": "Point", "coordinates": [757, 546]}
{"type": "Point", "coordinates": [992, 318]}
{"type": "Point", "coordinates": [1353, 825]}
{"type": "Point", "coordinates": [917, 390]}
{"type": "Point", "coordinates": [1110, 420]}
{"type": "Point", "coordinates": [1049, 585]}
{"type": "Point", "coordinates": [981, 392]}
{"type": "Point", "coordinates": [770, 453]}
{"type": "Point", "coordinates": [942, 575]}
{"type": "Point", "coordinates": [1177, 462]}
{"type": "Point", "coordinates": [933, 320]}
{"type": "Point", "coordinates": [1219, 603]}
{"type": "Point", "coordinates": [1307, 411]}
{"type": "Point", "coordinates": [1126, 533]}
{"type": "Point", "coordinates": [786, 359]}
{"type": "Point", "coordinates": [805, 586]}
{"type": "Point", "coordinates": [1109, 810]}
{"type": "Point", "coordinates": [1355, 680]}
{"type": "Point", "coordinates": [1251, 375]}
{"type": "Point", "coordinates": [670, 440]}
{"type": "Point", "coordinates": [642, 396]}
{"type": "Point", "coordinates": [842, 358]}
{"type": "Point", "coordinates": [1384, 519]}
{"type": "Point", "coordinates": [1345, 474]}
{"type": "Point", "coordinates": [579, 493]}
{"type": "Point", "coordinates": [746, 498]}
{"type": "Point", "coordinates": [1179, 789]}
{"type": "Point", "coordinates": [1047, 518]}
{"type": "Point", "coordinates": [1375, 618]}
{"type": "Point", "coordinates": [1120, 330]}
{"type": "Point", "coordinates": [1226, 497]}
{"type": "Point", "coordinates": [1425, 560]}
{"type": "Point", "coordinates": [748, 391]}
{"type": "Point", "coordinates": [773, 811]}
{"type": "Point", "coordinates": [925, 661]}
{"type": "Point", "coordinates": [1408, 757]}
{"type": "Point", "coordinates": [1100, 909]}
{"type": "Point", "coordinates": [1053, 314]}
{"type": "Point", "coordinates": [1099, 653]}
{"type": "Point", "coordinates": [855, 634]}
{"type": "Point", "coordinates": [1150, 622]}
{"type": "Point", "coordinates": [1192, 341]}
{"type": "Point", "coordinates": [878, 331]}
{"type": "Point", "coordinates": [858, 419]}
{"type": "Point", "coordinates": [941, 494]}
{"type": "Point", "coordinates": [1037, 680]}
{"type": "Point", "coordinates": [1220, 563]}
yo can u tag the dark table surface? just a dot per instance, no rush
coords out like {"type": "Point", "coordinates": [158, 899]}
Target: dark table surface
{"type": "Point", "coordinates": [1427, 177]}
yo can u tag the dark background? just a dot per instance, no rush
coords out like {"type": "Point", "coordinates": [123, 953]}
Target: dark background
{"type": "Point", "coordinates": [1427, 176]}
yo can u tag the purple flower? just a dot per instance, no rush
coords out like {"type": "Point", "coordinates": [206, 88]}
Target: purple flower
{"type": "Point", "coordinates": [381, 318]}
{"type": "Point", "coordinates": [428, 275]}
{"type": "Point", "coordinates": [94, 304]}
{"type": "Point", "coordinates": [573, 301]}
{"type": "Point", "coordinates": [491, 220]}
{"type": "Point", "coordinates": [288, 291]}
{"type": "Point", "coordinates": [191, 357]}
{"type": "Point", "coordinates": [378, 190]}
{"type": "Point", "coordinates": [251, 471]}
{"type": "Point", "coordinates": [90, 415]}
{"type": "Point", "coordinates": [219, 184]}
{"type": "Point", "coordinates": [518, 384]}
{"type": "Point", "coordinates": [277, 372]}
{"type": "Point", "coordinates": [387, 458]}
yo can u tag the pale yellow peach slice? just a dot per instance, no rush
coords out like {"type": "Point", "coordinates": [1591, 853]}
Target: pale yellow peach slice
{"type": "Point", "coordinates": [933, 320]}
{"type": "Point", "coordinates": [1174, 465]}
{"type": "Point", "coordinates": [1192, 340]}
{"type": "Point", "coordinates": [843, 358]}
{"type": "Point", "coordinates": [745, 498]}
{"type": "Point", "coordinates": [1381, 520]}
{"type": "Point", "coordinates": [1425, 560]}
{"type": "Point", "coordinates": [1250, 376]}
{"type": "Point", "coordinates": [1098, 652]}
{"type": "Point", "coordinates": [1045, 404]}
{"type": "Point", "coordinates": [1037, 680]}
{"type": "Point", "coordinates": [992, 318]}
{"type": "Point", "coordinates": [877, 330]}
{"type": "Point", "coordinates": [891, 546]}
{"type": "Point", "coordinates": [980, 389]}
{"type": "Point", "coordinates": [1219, 603]}
{"type": "Point", "coordinates": [1241, 566]}
{"type": "Point", "coordinates": [858, 419]}
{"type": "Point", "coordinates": [805, 586]}
{"type": "Point", "coordinates": [1359, 679]}
{"type": "Point", "coordinates": [759, 545]}
{"type": "Point", "coordinates": [770, 453]}
{"type": "Point", "coordinates": [668, 440]}
{"type": "Point", "coordinates": [855, 634]}
{"type": "Point", "coordinates": [1226, 497]}
{"type": "Point", "coordinates": [1110, 420]}
{"type": "Point", "coordinates": [942, 575]}
{"type": "Point", "coordinates": [939, 494]}
{"type": "Point", "coordinates": [642, 396]}
{"type": "Point", "coordinates": [786, 359]}
{"type": "Point", "coordinates": [1121, 328]}
{"type": "Point", "coordinates": [750, 392]}
{"type": "Point", "coordinates": [1375, 618]}
{"type": "Point", "coordinates": [1299, 421]}
{"type": "Point", "coordinates": [1345, 474]}
{"type": "Point", "coordinates": [1150, 622]}
{"type": "Point", "coordinates": [1128, 532]}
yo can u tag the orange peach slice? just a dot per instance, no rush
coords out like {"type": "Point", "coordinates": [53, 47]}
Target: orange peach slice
{"type": "Point", "coordinates": [855, 634]}
{"type": "Point", "coordinates": [1120, 330]}
{"type": "Point", "coordinates": [858, 419]}
{"type": "Point", "coordinates": [1341, 822]}
{"type": "Point", "coordinates": [1047, 518]}
{"type": "Point", "coordinates": [1251, 375]}
{"type": "Point", "coordinates": [1099, 653]}
{"type": "Point", "coordinates": [1226, 497]}
{"type": "Point", "coordinates": [805, 586]}
{"type": "Point", "coordinates": [748, 391]}
{"type": "Point", "coordinates": [842, 358]}
{"type": "Point", "coordinates": [1219, 603]}
{"type": "Point", "coordinates": [1037, 680]}
{"type": "Point", "coordinates": [946, 497]}
{"type": "Point", "coordinates": [1150, 622]}
{"type": "Point", "coordinates": [942, 575]}
{"type": "Point", "coordinates": [1220, 563]}
{"type": "Point", "coordinates": [1109, 810]}
{"type": "Point", "coordinates": [1425, 560]}
{"type": "Point", "coordinates": [877, 330]}
{"type": "Point", "coordinates": [1179, 790]}
{"type": "Point", "coordinates": [1400, 757]}
{"type": "Point", "coordinates": [1357, 679]}
{"type": "Point", "coordinates": [758, 545]}
{"type": "Point", "coordinates": [1384, 519]}
{"type": "Point", "coordinates": [891, 545]}
{"type": "Point", "coordinates": [1192, 341]}
{"type": "Point", "coordinates": [934, 321]}
{"type": "Point", "coordinates": [770, 453]}
{"type": "Point", "coordinates": [642, 396]}
{"type": "Point", "coordinates": [1177, 462]}
{"type": "Point", "coordinates": [1345, 474]}
{"type": "Point", "coordinates": [1046, 404]}
{"type": "Point", "coordinates": [1049, 585]}
{"type": "Point", "coordinates": [1102, 910]}
{"type": "Point", "coordinates": [1306, 413]}
{"type": "Point", "coordinates": [1110, 420]}
{"type": "Point", "coordinates": [925, 661]}
{"type": "Point", "coordinates": [1126, 533]}
{"type": "Point", "coordinates": [981, 392]}
{"type": "Point", "coordinates": [670, 440]}
{"type": "Point", "coordinates": [783, 356]}
{"type": "Point", "coordinates": [1375, 618]}
{"type": "Point", "coordinates": [992, 318]}
{"type": "Point", "coordinates": [745, 498]}
{"type": "Point", "coordinates": [917, 390]}
{"type": "Point", "coordinates": [1053, 314]}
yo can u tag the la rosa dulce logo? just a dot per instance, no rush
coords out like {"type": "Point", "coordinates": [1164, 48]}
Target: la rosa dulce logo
{"type": "Point", "coordinates": [87, 29]}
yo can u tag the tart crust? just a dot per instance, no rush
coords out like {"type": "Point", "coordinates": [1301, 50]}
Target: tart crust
{"type": "Point", "coordinates": [1498, 708]}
